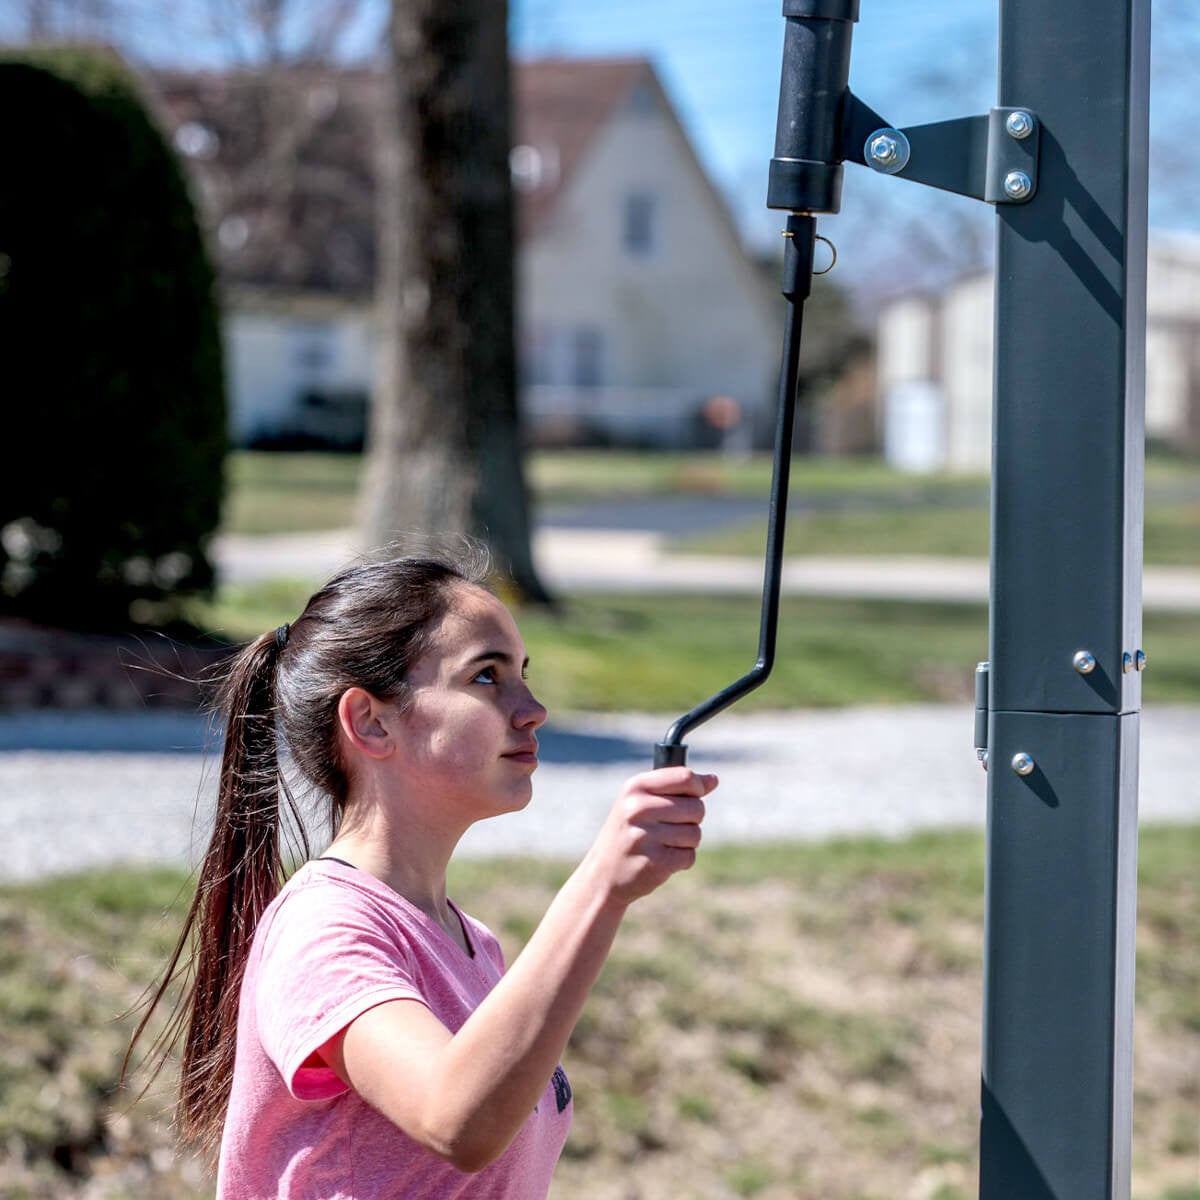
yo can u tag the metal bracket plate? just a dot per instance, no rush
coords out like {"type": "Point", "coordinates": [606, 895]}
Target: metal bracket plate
{"type": "Point", "coordinates": [992, 157]}
{"type": "Point", "coordinates": [1014, 138]}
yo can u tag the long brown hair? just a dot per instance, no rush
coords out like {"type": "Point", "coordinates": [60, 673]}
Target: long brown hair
{"type": "Point", "coordinates": [364, 628]}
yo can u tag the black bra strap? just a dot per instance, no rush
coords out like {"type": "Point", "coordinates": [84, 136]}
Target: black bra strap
{"type": "Point", "coordinates": [331, 858]}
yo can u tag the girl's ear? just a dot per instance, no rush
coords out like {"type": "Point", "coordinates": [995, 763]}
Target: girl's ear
{"type": "Point", "coordinates": [363, 722]}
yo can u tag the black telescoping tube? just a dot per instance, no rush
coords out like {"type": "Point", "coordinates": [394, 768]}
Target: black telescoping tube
{"type": "Point", "coordinates": [806, 171]}
{"type": "Point", "coordinates": [797, 283]}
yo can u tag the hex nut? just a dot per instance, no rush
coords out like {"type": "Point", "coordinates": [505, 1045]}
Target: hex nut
{"type": "Point", "coordinates": [1017, 185]}
{"type": "Point", "coordinates": [1019, 124]}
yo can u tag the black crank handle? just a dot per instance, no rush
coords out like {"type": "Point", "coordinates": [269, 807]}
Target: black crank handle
{"type": "Point", "coordinates": [670, 754]}
{"type": "Point", "coordinates": [797, 283]}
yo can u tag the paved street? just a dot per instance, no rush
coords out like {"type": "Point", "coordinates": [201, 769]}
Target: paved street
{"type": "Point", "coordinates": [80, 789]}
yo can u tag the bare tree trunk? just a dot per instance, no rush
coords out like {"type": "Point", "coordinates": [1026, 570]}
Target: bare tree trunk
{"type": "Point", "coordinates": [444, 443]}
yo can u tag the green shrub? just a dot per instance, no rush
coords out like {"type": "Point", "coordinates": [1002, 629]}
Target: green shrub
{"type": "Point", "coordinates": [111, 381]}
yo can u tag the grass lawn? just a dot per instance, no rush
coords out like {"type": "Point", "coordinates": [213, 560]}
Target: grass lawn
{"type": "Point", "coordinates": [904, 527]}
{"type": "Point", "coordinates": [789, 1022]}
{"type": "Point", "coordinates": [272, 492]}
{"type": "Point", "coordinates": [666, 653]}
{"type": "Point", "coordinates": [662, 653]}
{"type": "Point", "coordinates": [840, 506]}
{"type": "Point", "coordinates": [292, 493]}
{"type": "Point", "coordinates": [941, 515]}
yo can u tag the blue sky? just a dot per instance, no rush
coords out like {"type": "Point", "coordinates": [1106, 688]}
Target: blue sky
{"type": "Point", "coordinates": [913, 60]}
{"type": "Point", "coordinates": [720, 61]}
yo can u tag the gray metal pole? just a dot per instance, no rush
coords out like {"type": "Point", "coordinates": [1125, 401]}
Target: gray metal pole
{"type": "Point", "coordinates": [1066, 578]}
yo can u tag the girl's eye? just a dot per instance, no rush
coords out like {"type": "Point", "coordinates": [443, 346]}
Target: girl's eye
{"type": "Point", "coordinates": [487, 675]}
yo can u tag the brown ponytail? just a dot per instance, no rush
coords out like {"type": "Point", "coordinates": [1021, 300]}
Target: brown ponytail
{"type": "Point", "coordinates": [240, 875]}
{"type": "Point", "coordinates": [363, 629]}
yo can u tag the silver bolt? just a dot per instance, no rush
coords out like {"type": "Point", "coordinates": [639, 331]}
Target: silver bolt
{"type": "Point", "coordinates": [1017, 185]}
{"type": "Point", "coordinates": [982, 755]}
{"type": "Point", "coordinates": [1084, 662]}
{"type": "Point", "coordinates": [1022, 763]}
{"type": "Point", "coordinates": [1139, 660]}
{"type": "Point", "coordinates": [1019, 124]}
{"type": "Point", "coordinates": [885, 150]}
{"type": "Point", "coordinates": [1126, 663]}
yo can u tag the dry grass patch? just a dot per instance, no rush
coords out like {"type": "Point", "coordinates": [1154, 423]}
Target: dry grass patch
{"type": "Point", "coordinates": [798, 1022]}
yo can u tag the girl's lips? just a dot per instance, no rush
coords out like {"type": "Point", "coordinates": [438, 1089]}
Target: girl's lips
{"type": "Point", "coordinates": [524, 754]}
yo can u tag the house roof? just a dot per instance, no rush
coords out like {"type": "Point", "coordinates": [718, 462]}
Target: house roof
{"type": "Point", "coordinates": [282, 163]}
{"type": "Point", "coordinates": [284, 169]}
{"type": "Point", "coordinates": [559, 106]}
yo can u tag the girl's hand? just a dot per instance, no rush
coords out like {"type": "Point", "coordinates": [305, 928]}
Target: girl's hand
{"type": "Point", "coordinates": [652, 831]}
{"type": "Point", "coordinates": [465, 1095]}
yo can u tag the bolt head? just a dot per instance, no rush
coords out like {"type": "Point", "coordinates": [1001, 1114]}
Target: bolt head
{"type": "Point", "coordinates": [1139, 660]}
{"type": "Point", "coordinates": [1022, 763]}
{"type": "Point", "coordinates": [1084, 662]}
{"type": "Point", "coordinates": [1019, 124]}
{"type": "Point", "coordinates": [1126, 663]}
{"type": "Point", "coordinates": [885, 149]}
{"type": "Point", "coordinates": [1017, 185]}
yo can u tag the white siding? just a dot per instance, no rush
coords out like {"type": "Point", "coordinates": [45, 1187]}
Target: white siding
{"type": "Point", "coordinates": [906, 339]}
{"type": "Point", "coordinates": [966, 354]}
{"type": "Point", "coordinates": [686, 312]}
{"type": "Point", "coordinates": [947, 342]}
{"type": "Point", "coordinates": [274, 358]}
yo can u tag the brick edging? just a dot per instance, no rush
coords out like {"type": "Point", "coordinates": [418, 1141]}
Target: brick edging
{"type": "Point", "coordinates": [51, 668]}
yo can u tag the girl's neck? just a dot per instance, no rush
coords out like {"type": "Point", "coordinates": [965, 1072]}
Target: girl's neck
{"type": "Point", "coordinates": [421, 882]}
{"type": "Point", "coordinates": [397, 843]}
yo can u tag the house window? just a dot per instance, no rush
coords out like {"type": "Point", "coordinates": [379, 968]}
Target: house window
{"type": "Point", "coordinates": [312, 349]}
{"type": "Point", "coordinates": [539, 355]}
{"type": "Point", "coordinates": [638, 222]}
{"type": "Point", "coordinates": [587, 357]}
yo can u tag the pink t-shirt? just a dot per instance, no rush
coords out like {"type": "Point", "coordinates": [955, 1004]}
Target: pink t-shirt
{"type": "Point", "coordinates": [334, 943]}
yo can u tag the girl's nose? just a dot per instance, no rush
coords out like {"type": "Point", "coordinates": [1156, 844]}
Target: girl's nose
{"type": "Point", "coordinates": [530, 712]}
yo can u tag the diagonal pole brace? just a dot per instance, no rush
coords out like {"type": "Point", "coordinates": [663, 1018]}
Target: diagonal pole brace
{"type": "Point", "coordinates": [993, 157]}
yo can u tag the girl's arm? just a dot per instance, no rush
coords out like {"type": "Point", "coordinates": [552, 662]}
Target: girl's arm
{"type": "Point", "coordinates": [466, 1095]}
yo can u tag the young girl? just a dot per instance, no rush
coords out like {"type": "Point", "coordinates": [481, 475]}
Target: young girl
{"type": "Point", "coordinates": [352, 1033]}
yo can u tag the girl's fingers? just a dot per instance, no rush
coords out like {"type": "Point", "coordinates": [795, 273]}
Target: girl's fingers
{"type": "Point", "coordinates": [673, 781]}
{"type": "Point", "coordinates": [680, 859]}
{"type": "Point", "coordinates": [654, 829]}
{"type": "Point", "coordinates": [643, 808]}
{"type": "Point", "coordinates": [681, 837]}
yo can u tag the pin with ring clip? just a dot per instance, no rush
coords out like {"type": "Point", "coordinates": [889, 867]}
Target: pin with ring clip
{"type": "Point", "coordinates": [832, 251]}
{"type": "Point", "coordinates": [787, 233]}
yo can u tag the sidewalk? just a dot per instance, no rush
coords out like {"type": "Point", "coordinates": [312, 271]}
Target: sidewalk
{"type": "Point", "coordinates": [618, 560]}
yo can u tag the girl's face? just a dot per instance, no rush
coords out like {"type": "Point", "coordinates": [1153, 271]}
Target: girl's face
{"type": "Point", "coordinates": [468, 738]}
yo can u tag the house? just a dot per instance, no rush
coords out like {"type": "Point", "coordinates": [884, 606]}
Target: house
{"type": "Point", "coordinates": [641, 320]}
{"type": "Point", "coordinates": [638, 305]}
{"type": "Point", "coordinates": [935, 361]}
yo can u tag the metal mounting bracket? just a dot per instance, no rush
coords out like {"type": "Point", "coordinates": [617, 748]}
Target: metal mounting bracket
{"type": "Point", "coordinates": [993, 157]}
